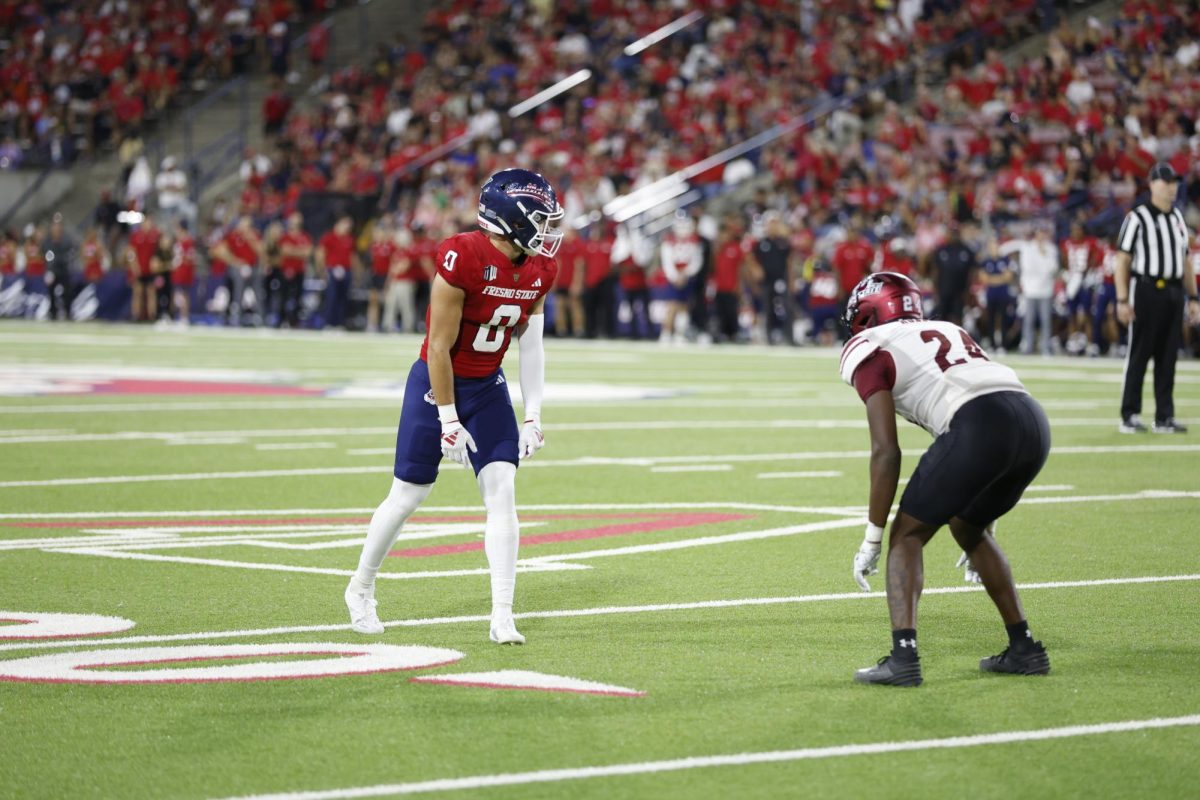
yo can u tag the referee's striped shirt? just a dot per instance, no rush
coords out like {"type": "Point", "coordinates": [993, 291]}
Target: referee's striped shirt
{"type": "Point", "coordinates": [1156, 240]}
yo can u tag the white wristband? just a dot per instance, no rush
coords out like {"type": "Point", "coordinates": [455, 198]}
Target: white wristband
{"type": "Point", "coordinates": [874, 534]}
{"type": "Point", "coordinates": [447, 413]}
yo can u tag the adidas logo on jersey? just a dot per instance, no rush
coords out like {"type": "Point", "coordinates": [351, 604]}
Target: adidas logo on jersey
{"type": "Point", "coordinates": [537, 283]}
{"type": "Point", "coordinates": [500, 380]}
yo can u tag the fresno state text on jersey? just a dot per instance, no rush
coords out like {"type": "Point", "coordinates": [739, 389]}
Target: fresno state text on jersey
{"type": "Point", "coordinates": [934, 368]}
{"type": "Point", "coordinates": [499, 295]}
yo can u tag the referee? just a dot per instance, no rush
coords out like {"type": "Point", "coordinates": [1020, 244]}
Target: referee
{"type": "Point", "coordinates": [1153, 243]}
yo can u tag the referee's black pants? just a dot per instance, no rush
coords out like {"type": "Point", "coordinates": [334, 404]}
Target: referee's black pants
{"type": "Point", "coordinates": [1155, 332]}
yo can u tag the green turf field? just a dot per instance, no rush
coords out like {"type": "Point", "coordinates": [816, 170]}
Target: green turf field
{"type": "Point", "coordinates": [687, 539]}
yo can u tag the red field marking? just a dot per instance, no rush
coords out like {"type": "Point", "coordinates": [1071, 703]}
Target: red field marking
{"type": "Point", "coordinates": [657, 522]}
{"type": "Point", "coordinates": [151, 386]}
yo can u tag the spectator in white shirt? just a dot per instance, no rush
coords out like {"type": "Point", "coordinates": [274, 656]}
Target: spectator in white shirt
{"type": "Point", "coordinates": [1037, 260]}
{"type": "Point", "coordinates": [171, 184]}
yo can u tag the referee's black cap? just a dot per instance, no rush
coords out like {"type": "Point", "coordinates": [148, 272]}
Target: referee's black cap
{"type": "Point", "coordinates": [1162, 171]}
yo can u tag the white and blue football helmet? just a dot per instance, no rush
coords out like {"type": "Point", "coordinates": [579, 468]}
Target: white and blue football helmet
{"type": "Point", "coordinates": [521, 206]}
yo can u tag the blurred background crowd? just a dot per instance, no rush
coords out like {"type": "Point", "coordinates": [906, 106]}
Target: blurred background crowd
{"type": "Point", "coordinates": [988, 149]}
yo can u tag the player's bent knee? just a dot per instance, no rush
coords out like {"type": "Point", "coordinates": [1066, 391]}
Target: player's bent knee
{"type": "Point", "coordinates": [405, 497]}
{"type": "Point", "coordinates": [497, 484]}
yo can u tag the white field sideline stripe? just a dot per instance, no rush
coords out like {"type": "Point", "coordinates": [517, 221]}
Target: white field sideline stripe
{"type": "Point", "coordinates": [591, 612]}
{"type": "Point", "coordinates": [478, 509]}
{"type": "Point", "coordinates": [561, 427]}
{"type": "Point", "coordinates": [732, 760]}
{"type": "Point", "coordinates": [589, 461]}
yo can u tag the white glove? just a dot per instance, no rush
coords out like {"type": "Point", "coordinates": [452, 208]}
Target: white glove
{"type": "Point", "coordinates": [456, 441]}
{"type": "Point", "coordinates": [531, 439]}
{"type": "Point", "coordinates": [866, 562]}
{"type": "Point", "coordinates": [970, 575]}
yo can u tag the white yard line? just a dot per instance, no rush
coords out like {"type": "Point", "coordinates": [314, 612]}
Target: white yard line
{"type": "Point", "coordinates": [183, 436]}
{"type": "Point", "coordinates": [296, 446]}
{"type": "Point", "coordinates": [588, 461]}
{"type": "Point", "coordinates": [600, 611]}
{"type": "Point", "coordinates": [826, 473]}
{"type": "Point", "coordinates": [733, 760]}
{"type": "Point", "coordinates": [694, 468]}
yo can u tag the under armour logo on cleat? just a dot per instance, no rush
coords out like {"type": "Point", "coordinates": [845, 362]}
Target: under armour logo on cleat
{"type": "Point", "coordinates": [909, 643]}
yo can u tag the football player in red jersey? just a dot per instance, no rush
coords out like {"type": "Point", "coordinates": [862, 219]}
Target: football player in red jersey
{"type": "Point", "coordinates": [933, 374]}
{"type": "Point", "coordinates": [456, 404]}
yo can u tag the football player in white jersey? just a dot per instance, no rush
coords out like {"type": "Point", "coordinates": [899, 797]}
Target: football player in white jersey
{"type": "Point", "coordinates": [991, 440]}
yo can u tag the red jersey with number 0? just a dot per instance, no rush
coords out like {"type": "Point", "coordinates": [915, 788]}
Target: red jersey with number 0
{"type": "Point", "coordinates": [498, 298]}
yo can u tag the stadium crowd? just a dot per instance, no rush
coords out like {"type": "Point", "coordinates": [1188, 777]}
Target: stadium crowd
{"type": "Point", "coordinates": [997, 183]}
{"type": "Point", "coordinates": [86, 74]}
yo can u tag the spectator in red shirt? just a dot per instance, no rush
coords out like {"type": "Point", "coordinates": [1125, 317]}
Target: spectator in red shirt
{"type": "Point", "coordinates": [598, 283]}
{"type": "Point", "coordinates": [384, 253]}
{"type": "Point", "coordinates": [183, 270]}
{"type": "Point", "coordinates": [93, 257]}
{"type": "Point", "coordinates": [139, 256]}
{"type": "Point", "coordinates": [568, 287]}
{"type": "Point", "coordinates": [295, 249]}
{"type": "Point", "coordinates": [852, 258]}
{"type": "Point", "coordinates": [336, 261]}
{"type": "Point", "coordinates": [241, 251]}
{"type": "Point", "coordinates": [729, 264]}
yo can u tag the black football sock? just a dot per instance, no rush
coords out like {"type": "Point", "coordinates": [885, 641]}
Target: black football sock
{"type": "Point", "coordinates": [904, 644]}
{"type": "Point", "coordinates": [1018, 634]}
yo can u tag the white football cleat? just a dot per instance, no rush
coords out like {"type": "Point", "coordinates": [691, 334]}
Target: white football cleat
{"type": "Point", "coordinates": [363, 618]}
{"type": "Point", "coordinates": [504, 631]}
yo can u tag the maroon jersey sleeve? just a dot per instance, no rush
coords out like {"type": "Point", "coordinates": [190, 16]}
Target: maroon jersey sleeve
{"type": "Point", "coordinates": [875, 374]}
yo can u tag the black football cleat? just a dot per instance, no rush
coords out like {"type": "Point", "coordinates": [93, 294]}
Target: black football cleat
{"type": "Point", "coordinates": [1028, 659]}
{"type": "Point", "coordinates": [889, 671]}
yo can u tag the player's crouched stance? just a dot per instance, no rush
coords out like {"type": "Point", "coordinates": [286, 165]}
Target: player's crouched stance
{"type": "Point", "coordinates": [992, 439]}
{"type": "Point", "coordinates": [456, 402]}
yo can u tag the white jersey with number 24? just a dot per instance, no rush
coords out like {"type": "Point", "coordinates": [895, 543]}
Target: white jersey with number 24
{"type": "Point", "coordinates": [939, 368]}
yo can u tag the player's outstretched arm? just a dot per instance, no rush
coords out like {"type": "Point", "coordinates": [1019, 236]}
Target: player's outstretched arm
{"type": "Point", "coordinates": [533, 379]}
{"type": "Point", "coordinates": [885, 475]}
{"type": "Point", "coordinates": [445, 320]}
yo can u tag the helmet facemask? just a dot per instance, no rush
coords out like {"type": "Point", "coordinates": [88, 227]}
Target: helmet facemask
{"type": "Point", "coordinates": [547, 237]}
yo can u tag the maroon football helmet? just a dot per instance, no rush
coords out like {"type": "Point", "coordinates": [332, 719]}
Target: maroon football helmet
{"type": "Point", "coordinates": [880, 298]}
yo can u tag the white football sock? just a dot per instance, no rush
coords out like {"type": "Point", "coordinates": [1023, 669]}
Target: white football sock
{"type": "Point", "coordinates": [385, 526]}
{"type": "Point", "coordinates": [497, 484]}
